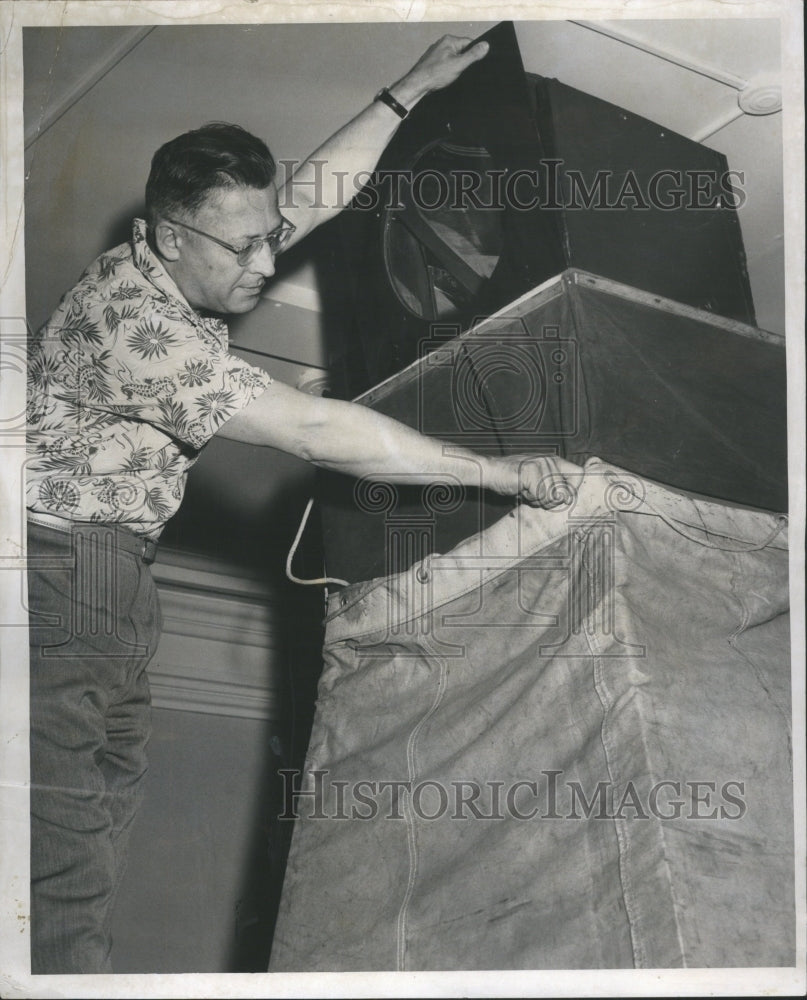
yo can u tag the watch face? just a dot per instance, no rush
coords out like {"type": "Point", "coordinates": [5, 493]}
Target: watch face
{"type": "Point", "coordinates": [444, 237]}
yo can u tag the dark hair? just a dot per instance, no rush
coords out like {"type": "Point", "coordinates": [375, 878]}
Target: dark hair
{"type": "Point", "coordinates": [186, 169]}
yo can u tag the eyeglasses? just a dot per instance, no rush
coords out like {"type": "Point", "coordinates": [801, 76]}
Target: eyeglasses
{"type": "Point", "coordinates": [276, 241]}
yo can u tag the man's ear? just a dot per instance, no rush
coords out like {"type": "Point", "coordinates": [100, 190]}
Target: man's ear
{"type": "Point", "coordinates": [167, 240]}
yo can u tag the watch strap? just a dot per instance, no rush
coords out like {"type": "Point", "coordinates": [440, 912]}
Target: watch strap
{"type": "Point", "coordinates": [386, 98]}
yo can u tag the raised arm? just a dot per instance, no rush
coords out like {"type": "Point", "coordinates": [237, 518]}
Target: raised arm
{"type": "Point", "coordinates": [326, 179]}
{"type": "Point", "coordinates": [349, 438]}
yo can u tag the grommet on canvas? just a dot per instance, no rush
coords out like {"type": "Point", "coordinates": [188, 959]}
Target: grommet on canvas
{"type": "Point", "coordinates": [422, 575]}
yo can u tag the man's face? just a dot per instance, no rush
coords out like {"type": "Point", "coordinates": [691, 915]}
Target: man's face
{"type": "Point", "coordinates": [208, 275]}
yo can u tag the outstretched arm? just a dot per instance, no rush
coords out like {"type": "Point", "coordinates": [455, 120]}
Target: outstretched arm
{"type": "Point", "coordinates": [349, 438]}
{"type": "Point", "coordinates": [333, 173]}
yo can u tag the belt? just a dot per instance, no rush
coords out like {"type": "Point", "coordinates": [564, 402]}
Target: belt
{"type": "Point", "coordinates": [125, 539]}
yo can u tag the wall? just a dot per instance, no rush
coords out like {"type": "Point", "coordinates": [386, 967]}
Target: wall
{"type": "Point", "coordinates": [189, 900]}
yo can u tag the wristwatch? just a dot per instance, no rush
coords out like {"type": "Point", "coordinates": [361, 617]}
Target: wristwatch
{"type": "Point", "coordinates": [386, 98]}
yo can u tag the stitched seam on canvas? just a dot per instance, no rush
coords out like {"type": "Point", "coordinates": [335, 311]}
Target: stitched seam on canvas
{"type": "Point", "coordinates": [411, 827]}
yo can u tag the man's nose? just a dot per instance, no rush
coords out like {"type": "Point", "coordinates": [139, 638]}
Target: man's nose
{"type": "Point", "coordinates": [264, 261]}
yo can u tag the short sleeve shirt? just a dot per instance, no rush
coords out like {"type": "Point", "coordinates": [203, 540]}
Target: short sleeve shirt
{"type": "Point", "coordinates": [126, 384]}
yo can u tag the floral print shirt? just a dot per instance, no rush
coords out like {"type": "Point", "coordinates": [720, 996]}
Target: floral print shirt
{"type": "Point", "coordinates": [126, 384]}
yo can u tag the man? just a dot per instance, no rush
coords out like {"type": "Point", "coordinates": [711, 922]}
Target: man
{"type": "Point", "coordinates": [128, 381]}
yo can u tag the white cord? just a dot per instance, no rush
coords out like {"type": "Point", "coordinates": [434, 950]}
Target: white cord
{"type": "Point", "coordinates": [322, 581]}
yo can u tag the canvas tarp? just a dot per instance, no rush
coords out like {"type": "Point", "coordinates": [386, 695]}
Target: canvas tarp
{"type": "Point", "coordinates": [563, 744]}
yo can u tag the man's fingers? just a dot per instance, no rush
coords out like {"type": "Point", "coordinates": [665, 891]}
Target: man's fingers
{"type": "Point", "coordinates": [445, 60]}
{"type": "Point", "coordinates": [549, 482]}
{"type": "Point", "coordinates": [474, 51]}
{"type": "Point", "coordinates": [553, 491]}
{"type": "Point", "coordinates": [461, 51]}
{"type": "Point", "coordinates": [466, 52]}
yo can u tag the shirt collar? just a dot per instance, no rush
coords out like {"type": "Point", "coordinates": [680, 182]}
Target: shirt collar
{"type": "Point", "coordinates": [150, 266]}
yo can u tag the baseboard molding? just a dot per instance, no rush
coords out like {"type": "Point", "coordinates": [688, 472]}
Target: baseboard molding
{"type": "Point", "coordinates": [193, 694]}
